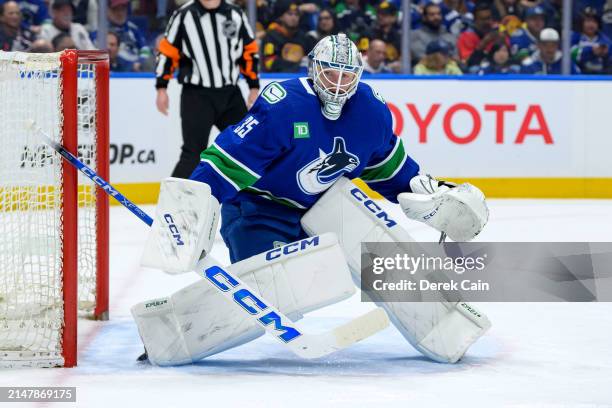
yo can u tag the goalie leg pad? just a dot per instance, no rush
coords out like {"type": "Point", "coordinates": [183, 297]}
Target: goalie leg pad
{"type": "Point", "coordinates": [197, 322]}
{"type": "Point", "coordinates": [443, 331]}
{"type": "Point", "coordinates": [184, 226]}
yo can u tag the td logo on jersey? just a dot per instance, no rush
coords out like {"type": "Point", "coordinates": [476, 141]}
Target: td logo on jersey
{"type": "Point", "coordinates": [319, 174]}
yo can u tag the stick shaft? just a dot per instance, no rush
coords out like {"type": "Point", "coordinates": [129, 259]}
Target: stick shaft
{"type": "Point", "coordinates": [93, 176]}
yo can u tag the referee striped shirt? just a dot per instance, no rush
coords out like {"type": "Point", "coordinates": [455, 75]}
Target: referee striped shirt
{"type": "Point", "coordinates": [210, 48]}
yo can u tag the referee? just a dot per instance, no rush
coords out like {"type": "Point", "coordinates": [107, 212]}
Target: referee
{"type": "Point", "coordinates": [210, 42]}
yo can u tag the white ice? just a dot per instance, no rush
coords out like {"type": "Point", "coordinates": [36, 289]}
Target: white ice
{"type": "Point", "coordinates": [536, 354]}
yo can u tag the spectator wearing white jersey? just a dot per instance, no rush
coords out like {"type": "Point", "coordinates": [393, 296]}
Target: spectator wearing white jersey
{"type": "Point", "coordinates": [62, 12]}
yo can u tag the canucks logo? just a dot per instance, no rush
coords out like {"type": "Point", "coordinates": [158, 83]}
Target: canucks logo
{"type": "Point", "coordinates": [319, 174]}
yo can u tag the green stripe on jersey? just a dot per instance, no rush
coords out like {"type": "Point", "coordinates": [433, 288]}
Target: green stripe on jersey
{"type": "Point", "coordinates": [230, 168]}
{"type": "Point", "coordinates": [388, 167]}
{"type": "Point", "coordinates": [270, 196]}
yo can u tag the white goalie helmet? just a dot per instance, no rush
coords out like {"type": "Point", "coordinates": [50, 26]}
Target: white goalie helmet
{"type": "Point", "coordinates": [335, 69]}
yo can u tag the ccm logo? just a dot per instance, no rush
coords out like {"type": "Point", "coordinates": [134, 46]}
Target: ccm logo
{"type": "Point", "coordinates": [173, 229]}
{"type": "Point", "coordinates": [372, 207]}
{"type": "Point", "coordinates": [225, 282]}
{"type": "Point", "coordinates": [291, 248]}
{"type": "Point", "coordinates": [96, 179]}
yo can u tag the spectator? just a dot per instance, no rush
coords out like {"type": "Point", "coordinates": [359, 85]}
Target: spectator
{"type": "Point", "coordinates": [480, 36]}
{"type": "Point", "coordinates": [355, 18]}
{"type": "Point", "coordinates": [430, 30]}
{"type": "Point", "coordinates": [374, 60]}
{"type": "Point", "coordinates": [591, 49]}
{"type": "Point", "coordinates": [457, 15]}
{"type": "Point", "coordinates": [133, 48]}
{"type": "Point", "coordinates": [326, 25]}
{"type": "Point", "coordinates": [547, 59]}
{"type": "Point", "coordinates": [61, 14]}
{"type": "Point", "coordinates": [437, 61]}
{"type": "Point", "coordinates": [525, 41]}
{"type": "Point", "coordinates": [498, 61]}
{"type": "Point", "coordinates": [86, 14]}
{"type": "Point", "coordinates": [387, 29]}
{"type": "Point", "coordinates": [12, 36]}
{"type": "Point", "coordinates": [285, 46]}
{"type": "Point", "coordinates": [33, 14]}
{"type": "Point", "coordinates": [41, 46]}
{"type": "Point", "coordinates": [475, 43]}
{"type": "Point", "coordinates": [63, 41]}
{"type": "Point", "coordinates": [117, 64]}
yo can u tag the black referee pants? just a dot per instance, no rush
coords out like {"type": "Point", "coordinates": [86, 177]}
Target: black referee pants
{"type": "Point", "coordinates": [201, 108]}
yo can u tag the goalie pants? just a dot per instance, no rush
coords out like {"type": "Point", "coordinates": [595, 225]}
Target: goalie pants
{"type": "Point", "coordinates": [251, 225]}
{"type": "Point", "coordinates": [201, 108]}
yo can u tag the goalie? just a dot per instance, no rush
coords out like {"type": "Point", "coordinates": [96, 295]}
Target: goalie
{"type": "Point", "coordinates": [302, 137]}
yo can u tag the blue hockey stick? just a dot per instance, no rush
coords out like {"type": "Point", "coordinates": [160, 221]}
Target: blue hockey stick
{"type": "Point", "coordinates": [92, 175]}
{"type": "Point", "coordinates": [262, 312]}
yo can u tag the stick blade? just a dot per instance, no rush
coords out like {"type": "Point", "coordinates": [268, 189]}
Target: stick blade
{"type": "Point", "coordinates": [361, 328]}
{"type": "Point", "coordinates": [311, 346]}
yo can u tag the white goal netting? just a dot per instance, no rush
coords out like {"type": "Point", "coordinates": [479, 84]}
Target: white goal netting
{"type": "Point", "coordinates": [31, 201]}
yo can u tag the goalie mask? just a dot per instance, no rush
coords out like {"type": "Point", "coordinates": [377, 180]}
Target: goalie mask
{"type": "Point", "coordinates": [335, 69]}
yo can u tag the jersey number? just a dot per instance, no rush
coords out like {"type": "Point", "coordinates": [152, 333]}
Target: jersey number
{"type": "Point", "coordinates": [246, 126]}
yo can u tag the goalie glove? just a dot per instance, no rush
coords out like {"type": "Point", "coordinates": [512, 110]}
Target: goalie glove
{"type": "Point", "coordinates": [459, 211]}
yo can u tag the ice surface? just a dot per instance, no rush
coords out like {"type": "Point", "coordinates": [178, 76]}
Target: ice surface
{"type": "Point", "coordinates": [536, 354]}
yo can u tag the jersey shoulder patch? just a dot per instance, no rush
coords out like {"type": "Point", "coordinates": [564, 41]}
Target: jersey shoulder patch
{"type": "Point", "coordinates": [273, 93]}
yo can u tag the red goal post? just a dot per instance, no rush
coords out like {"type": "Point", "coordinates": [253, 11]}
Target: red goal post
{"type": "Point", "coordinates": [53, 222]}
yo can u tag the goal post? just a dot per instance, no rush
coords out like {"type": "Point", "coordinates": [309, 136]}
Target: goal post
{"type": "Point", "coordinates": [53, 221]}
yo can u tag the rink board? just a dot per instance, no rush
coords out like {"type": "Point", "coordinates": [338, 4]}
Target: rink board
{"type": "Point", "coordinates": [518, 138]}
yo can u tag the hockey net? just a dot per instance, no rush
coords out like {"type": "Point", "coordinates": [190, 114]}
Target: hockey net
{"type": "Point", "coordinates": [53, 223]}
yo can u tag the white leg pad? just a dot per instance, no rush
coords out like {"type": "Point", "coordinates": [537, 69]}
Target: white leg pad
{"type": "Point", "coordinates": [443, 331]}
{"type": "Point", "coordinates": [197, 321]}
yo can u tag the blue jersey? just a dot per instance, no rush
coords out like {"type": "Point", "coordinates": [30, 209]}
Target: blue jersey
{"type": "Point", "coordinates": [523, 43]}
{"type": "Point", "coordinates": [583, 53]}
{"type": "Point", "coordinates": [285, 150]}
{"type": "Point", "coordinates": [536, 66]}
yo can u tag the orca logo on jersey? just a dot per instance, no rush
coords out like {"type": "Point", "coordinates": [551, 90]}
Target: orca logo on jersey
{"type": "Point", "coordinates": [319, 174]}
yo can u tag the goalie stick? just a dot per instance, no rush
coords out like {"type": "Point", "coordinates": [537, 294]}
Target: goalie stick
{"type": "Point", "coordinates": [255, 307]}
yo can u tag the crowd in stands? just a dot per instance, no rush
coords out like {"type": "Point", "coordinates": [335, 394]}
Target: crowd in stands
{"type": "Point", "coordinates": [452, 37]}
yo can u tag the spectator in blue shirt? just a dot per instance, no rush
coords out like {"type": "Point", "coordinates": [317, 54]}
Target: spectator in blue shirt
{"type": "Point", "coordinates": [133, 48]}
{"type": "Point", "coordinates": [116, 65]}
{"type": "Point", "coordinates": [524, 42]}
{"type": "Point", "coordinates": [457, 15]}
{"type": "Point", "coordinates": [591, 49]}
{"type": "Point", "coordinates": [547, 59]}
